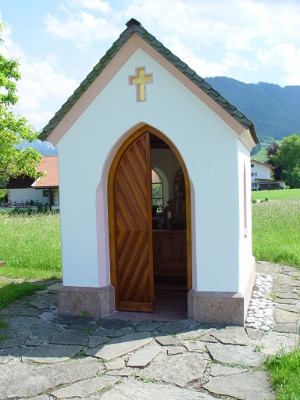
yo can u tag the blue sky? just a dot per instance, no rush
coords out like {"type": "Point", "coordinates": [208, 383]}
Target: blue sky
{"type": "Point", "coordinates": [59, 41]}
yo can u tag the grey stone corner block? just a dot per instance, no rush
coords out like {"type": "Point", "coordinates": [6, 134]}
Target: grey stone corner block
{"type": "Point", "coordinates": [94, 302]}
{"type": "Point", "coordinates": [216, 307]}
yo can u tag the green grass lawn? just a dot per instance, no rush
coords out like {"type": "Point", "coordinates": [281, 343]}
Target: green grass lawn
{"type": "Point", "coordinates": [9, 292]}
{"type": "Point", "coordinates": [275, 194]}
{"type": "Point", "coordinates": [276, 231]}
{"type": "Point", "coordinates": [261, 155]}
{"type": "Point", "coordinates": [30, 245]}
{"type": "Point", "coordinates": [285, 375]}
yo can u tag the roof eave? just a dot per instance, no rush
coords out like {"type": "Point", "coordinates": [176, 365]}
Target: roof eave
{"type": "Point", "coordinates": [46, 187]}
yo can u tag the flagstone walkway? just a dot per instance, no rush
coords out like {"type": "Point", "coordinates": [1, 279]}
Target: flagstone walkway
{"type": "Point", "coordinates": [47, 356]}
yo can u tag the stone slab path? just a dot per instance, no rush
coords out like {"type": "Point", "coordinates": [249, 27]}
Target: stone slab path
{"type": "Point", "coordinates": [46, 356]}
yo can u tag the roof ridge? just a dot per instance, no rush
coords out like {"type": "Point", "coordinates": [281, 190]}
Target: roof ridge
{"type": "Point", "coordinates": [133, 21]}
{"type": "Point", "coordinates": [134, 26]}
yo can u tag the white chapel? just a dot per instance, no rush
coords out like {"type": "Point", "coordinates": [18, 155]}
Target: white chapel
{"type": "Point", "coordinates": [155, 188]}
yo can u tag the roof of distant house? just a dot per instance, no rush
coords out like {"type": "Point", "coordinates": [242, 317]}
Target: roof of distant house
{"type": "Point", "coordinates": [48, 166]}
{"type": "Point", "coordinates": [134, 26]}
{"type": "Point", "coordinates": [261, 163]}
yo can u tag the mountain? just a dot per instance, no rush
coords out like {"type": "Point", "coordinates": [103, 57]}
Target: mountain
{"type": "Point", "coordinates": [44, 148]}
{"type": "Point", "coordinates": [274, 110]}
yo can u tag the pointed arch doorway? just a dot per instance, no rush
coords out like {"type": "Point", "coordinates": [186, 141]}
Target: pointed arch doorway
{"type": "Point", "coordinates": [133, 267]}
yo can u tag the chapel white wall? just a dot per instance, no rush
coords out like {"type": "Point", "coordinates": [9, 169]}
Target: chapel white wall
{"type": "Point", "coordinates": [208, 147]}
{"type": "Point", "coordinates": [246, 259]}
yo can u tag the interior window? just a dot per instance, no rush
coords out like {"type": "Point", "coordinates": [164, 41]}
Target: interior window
{"type": "Point", "coordinates": [157, 193]}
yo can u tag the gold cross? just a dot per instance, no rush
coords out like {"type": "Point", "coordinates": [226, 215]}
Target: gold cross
{"type": "Point", "coordinates": [140, 80]}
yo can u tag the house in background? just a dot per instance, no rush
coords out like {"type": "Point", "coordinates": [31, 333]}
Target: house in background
{"type": "Point", "coordinates": [26, 192]}
{"type": "Point", "coordinates": [261, 177]}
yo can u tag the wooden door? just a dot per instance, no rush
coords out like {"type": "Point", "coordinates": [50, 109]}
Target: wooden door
{"type": "Point", "coordinates": [133, 228]}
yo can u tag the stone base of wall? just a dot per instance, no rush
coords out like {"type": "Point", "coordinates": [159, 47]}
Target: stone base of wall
{"type": "Point", "coordinates": [220, 307]}
{"type": "Point", "coordinates": [94, 302]}
{"type": "Point", "coordinates": [248, 293]}
{"type": "Point", "coordinates": [204, 307]}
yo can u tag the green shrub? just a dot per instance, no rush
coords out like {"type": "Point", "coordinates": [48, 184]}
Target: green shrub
{"type": "Point", "coordinates": [3, 196]}
{"type": "Point", "coordinates": [15, 210]}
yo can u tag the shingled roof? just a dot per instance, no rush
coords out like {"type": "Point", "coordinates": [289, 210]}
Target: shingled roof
{"type": "Point", "coordinates": [49, 167]}
{"type": "Point", "coordinates": [134, 26]}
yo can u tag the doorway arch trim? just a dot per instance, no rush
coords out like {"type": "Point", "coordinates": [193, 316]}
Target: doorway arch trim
{"type": "Point", "coordinates": [111, 201]}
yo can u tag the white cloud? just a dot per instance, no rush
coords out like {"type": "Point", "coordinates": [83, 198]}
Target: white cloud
{"type": "Point", "coordinates": [42, 86]}
{"type": "Point", "coordinates": [237, 24]}
{"type": "Point", "coordinates": [8, 48]}
{"type": "Point", "coordinates": [235, 60]}
{"type": "Point", "coordinates": [245, 39]}
{"type": "Point", "coordinates": [285, 56]}
{"type": "Point", "coordinates": [81, 27]}
{"type": "Point", "coordinates": [219, 37]}
{"type": "Point", "coordinates": [200, 65]}
{"type": "Point", "coordinates": [97, 5]}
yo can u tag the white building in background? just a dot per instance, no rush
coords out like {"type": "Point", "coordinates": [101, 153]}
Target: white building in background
{"type": "Point", "coordinates": [25, 191]}
{"type": "Point", "coordinates": [262, 177]}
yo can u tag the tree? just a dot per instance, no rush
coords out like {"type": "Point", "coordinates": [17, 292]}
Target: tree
{"type": "Point", "coordinates": [287, 157]}
{"type": "Point", "coordinates": [271, 151]}
{"type": "Point", "coordinates": [14, 161]}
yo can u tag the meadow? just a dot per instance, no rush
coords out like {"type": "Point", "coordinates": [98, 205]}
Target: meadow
{"type": "Point", "coordinates": [30, 245]}
{"type": "Point", "coordinates": [276, 194]}
{"type": "Point", "coordinates": [276, 231]}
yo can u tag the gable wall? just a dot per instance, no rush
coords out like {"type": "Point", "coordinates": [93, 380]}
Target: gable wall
{"type": "Point", "coordinates": [208, 147]}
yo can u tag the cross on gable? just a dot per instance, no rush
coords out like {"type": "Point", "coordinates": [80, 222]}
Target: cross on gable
{"type": "Point", "coordinates": [140, 80]}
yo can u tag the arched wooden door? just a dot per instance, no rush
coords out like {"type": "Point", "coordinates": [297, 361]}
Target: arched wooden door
{"type": "Point", "coordinates": [132, 228]}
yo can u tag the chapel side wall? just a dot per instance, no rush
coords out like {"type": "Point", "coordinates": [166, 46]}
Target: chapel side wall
{"type": "Point", "coordinates": [246, 260]}
{"type": "Point", "coordinates": [207, 146]}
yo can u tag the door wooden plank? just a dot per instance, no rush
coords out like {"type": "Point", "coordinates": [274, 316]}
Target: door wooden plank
{"type": "Point", "coordinates": [133, 228]}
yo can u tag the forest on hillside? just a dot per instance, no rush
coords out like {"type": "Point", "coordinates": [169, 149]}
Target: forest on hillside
{"type": "Point", "coordinates": [274, 110]}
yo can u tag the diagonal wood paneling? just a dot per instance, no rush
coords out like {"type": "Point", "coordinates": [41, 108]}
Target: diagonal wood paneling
{"type": "Point", "coordinates": [133, 228]}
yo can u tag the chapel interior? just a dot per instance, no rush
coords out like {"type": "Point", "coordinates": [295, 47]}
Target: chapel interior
{"type": "Point", "coordinates": [168, 228]}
